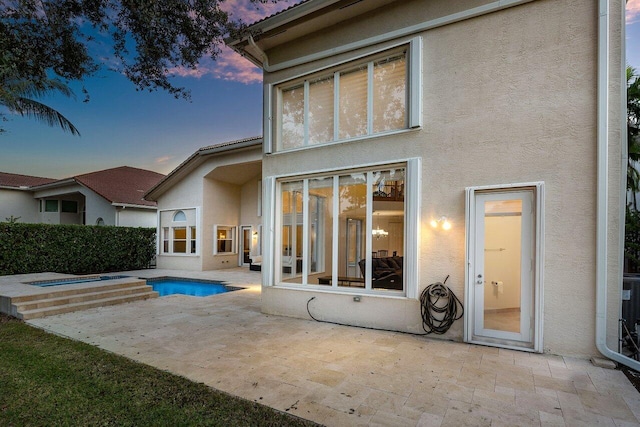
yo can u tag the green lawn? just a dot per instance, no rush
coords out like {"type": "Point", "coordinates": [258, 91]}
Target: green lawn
{"type": "Point", "coordinates": [49, 380]}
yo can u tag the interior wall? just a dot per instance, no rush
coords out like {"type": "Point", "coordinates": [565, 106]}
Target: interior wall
{"type": "Point", "coordinates": [502, 242]}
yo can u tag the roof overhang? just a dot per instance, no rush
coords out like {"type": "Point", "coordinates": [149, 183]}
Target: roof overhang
{"type": "Point", "coordinates": [195, 160]}
{"type": "Point", "coordinates": [20, 188]}
{"type": "Point", "coordinates": [133, 206]}
{"type": "Point", "coordinates": [55, 184]}
{"type": "Point", "coordinates": [296, 22]}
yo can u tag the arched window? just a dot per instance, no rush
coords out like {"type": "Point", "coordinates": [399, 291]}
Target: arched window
{"type": "Point", "coordinates": [179, 234]}
{"type": "Point", "coordinates": [100, 221]}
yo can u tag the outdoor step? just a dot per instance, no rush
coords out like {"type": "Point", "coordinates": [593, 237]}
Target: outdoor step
{"type": "Point", "coordinates": [75, 298]}
{"type": "Point", "coordinates": [50, 311]}
{"type": "Point", "coordinates": [64, 290]}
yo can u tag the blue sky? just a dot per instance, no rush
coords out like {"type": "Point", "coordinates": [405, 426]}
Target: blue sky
{"type": "Point", "coordinates": [121, 126]}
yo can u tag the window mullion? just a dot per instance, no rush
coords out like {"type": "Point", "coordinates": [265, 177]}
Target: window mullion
{"type": "Point", "coordinates": [336, 105]}
{"type": "Point", "coordinates": [369, 231]}
{"type": "Point", "coordinates": [370, 98]}
{"type": "Point", "coordinates": [336, 231]}
{"type": "Point", "coordinates": [306, 112]}
{"type": "Point", "coordinates": [305, 232]}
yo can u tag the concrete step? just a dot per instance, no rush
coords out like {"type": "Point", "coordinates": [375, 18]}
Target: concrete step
{"type": "Point", "coordinates": [68, 308]}
{"type": "Point", "coordinates": [73, 289]}
{"type": "Point", "coordinates": [136, 288]}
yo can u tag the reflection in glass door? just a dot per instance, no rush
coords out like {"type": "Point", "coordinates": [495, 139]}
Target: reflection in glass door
{"type": "Point", "coordinates": [354, 246]}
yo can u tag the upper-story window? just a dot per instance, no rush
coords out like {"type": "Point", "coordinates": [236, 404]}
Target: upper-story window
{"type": "Point", "coordinates": [358, 99]}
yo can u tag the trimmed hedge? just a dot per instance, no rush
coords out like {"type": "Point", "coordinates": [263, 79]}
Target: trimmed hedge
{"type": "Point", "coordinates": [74, 249]}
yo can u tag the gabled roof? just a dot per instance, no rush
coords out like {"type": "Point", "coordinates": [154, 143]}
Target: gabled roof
{"type": "Point", "coordinates": [21, 181]}
{"type": "Point", "coordinates": [123, 185]}
{"type": "Point", "coordinates": [196, 159]}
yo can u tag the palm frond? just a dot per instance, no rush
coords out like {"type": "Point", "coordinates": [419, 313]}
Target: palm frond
{"type": "Point", "coordinates": [46, 114]}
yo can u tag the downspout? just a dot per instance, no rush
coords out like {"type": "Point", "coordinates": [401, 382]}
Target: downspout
{"type": "Point", "coordinates": [265, 59]}
{"type": "Point", "coordinates": [603, 181]}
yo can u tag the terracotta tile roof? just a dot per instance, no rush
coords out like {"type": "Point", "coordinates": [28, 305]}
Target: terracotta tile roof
{"type": "Point", "coordinates": [124, 184]}
{"type": "Point", "coordinates": [17, 181]}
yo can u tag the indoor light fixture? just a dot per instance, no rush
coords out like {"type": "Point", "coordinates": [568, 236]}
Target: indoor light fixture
{"type": "Point", "coordinates": [442, 222]}
{"type": "Point", "coordinates": [379, 232]}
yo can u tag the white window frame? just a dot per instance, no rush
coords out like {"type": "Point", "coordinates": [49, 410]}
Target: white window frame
{"type": "Point", "coordinates": [414, 115]}
{"type": "Point", "coordinates": [273, 274]}
{"type": "Point", "coordinates": [170, 225]}
{"type": "Point", "coordinates": [234, 239]}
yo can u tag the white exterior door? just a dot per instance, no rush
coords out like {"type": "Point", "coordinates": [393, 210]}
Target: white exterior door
{"type": "Point", "coordinates": [502, 286]}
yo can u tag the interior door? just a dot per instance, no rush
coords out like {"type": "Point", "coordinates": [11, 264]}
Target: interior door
{"type": "Point", "coordinates": [502, 273]}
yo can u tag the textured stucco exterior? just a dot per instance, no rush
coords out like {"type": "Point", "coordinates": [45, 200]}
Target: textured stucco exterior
{"type": "Point", "coordinates": [18, 203]}
{"type": "Point", "coordinates": [223, 195]}
{"type": "Point", "coordinates": [508, 97]}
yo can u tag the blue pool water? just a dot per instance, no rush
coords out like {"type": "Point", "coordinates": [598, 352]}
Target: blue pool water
{"type": "Point", "coordinates": [72, 281]}
{"type": "Point", "coordinates": [198, 288]}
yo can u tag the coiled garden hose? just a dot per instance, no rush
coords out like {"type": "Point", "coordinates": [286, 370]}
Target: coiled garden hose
{"type": "Point", "coordinates": [439, 307]}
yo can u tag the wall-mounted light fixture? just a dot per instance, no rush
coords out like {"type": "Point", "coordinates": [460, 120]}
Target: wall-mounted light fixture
{"type": "Point", "coordinates": [442, 222]}
{"type": "Point", "coordinates": [255, 234]}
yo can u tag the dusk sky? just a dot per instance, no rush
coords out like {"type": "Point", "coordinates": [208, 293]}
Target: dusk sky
{"type": "Point", "coordinates": [121, 126]}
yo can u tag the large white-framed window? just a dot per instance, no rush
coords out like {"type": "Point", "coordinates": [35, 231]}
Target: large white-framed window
{"type": "Point", "coordinates": [348, 230]}
{"type": "Point", "coordinates": [224, 237]}
{"type": "Point", "coordinates": [178, 232]}
{"type": "Point", "coordinates": [372, 95]}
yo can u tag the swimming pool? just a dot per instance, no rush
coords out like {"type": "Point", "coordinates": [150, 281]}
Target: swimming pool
{"type": "Point", "coordinates": [73, 280]}
{"type": "Point", "coordinates": [194, 287]}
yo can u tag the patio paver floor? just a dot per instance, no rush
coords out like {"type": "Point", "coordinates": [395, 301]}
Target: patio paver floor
{"type": "Point", "coordinates": [338, 375]}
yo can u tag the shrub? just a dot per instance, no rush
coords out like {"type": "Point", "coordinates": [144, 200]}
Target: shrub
{"type": "Point", "coordinates": [73, 249]}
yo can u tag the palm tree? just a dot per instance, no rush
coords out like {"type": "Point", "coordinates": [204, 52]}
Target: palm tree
{"type": "Point", "coordinates": [18, 95]}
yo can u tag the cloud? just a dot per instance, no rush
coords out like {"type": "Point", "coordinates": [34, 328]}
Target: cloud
{"type": "Point", "coordinates": [229, 65]}
{"type": "Point", "coordinates": [633, 11]}
{"type": "Point", "coordinates": [162, 160]}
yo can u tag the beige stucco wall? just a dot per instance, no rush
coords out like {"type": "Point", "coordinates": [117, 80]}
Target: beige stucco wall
{"type": "Point", "coordinates": [18, 203]}
{"type": "Point", "coordinates": [96, 206]}
{"type": "Point", "coordinates": [132, 217]}
{"type": "Point", "coordinates": [509, 97]}
{"type": "Point", "coordinates": [222, 201]}
{"type": "Point", "coordinates": [249, 209]}
{"type": "Point", "coordinates": [219, 202]}
{"type": "Point", "coordinates": [185, 194]}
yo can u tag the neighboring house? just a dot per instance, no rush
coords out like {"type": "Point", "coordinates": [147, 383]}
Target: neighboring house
{"type": "Point", "coordinates": [107, 197]}
{"type": "Point", "coordinates": [209, 208]}
{"type": "Point", "coordinates": [16, 198]}
{"type": "Point", "coordinates": [409, 141]}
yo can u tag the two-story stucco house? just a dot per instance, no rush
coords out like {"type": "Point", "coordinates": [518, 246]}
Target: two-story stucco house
{"type": "Point", "coordinates": [407, 141]}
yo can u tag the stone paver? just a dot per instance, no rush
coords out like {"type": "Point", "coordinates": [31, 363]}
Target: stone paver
{"type": "Point", "coordinates": [337, 375]}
